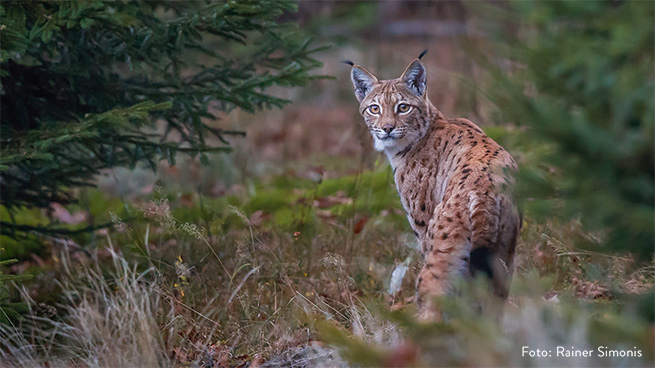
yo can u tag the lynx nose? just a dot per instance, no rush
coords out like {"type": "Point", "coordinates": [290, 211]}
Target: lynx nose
{"type": "Point", "coordinates": [388, 128]}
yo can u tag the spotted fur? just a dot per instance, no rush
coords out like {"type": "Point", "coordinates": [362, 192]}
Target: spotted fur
{"type": "Point", "coordinates": [453, 181]}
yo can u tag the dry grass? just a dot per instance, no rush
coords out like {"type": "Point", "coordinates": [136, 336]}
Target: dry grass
{"type": "Point", "coordinates": [257, 295]}
{"type": "Point", "coordinates": [111, 320]}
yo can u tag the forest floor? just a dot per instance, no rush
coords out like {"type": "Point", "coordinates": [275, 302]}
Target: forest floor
{"type": "Point", "coordinates": [294, 251]}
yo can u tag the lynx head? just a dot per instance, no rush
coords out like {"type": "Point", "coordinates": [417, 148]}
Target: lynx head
{"type": "Point", "coordinates": [395, 111]}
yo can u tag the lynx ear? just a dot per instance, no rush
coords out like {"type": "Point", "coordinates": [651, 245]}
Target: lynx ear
{"type": "Point", "coordinates": [363, 81]}
{"type": "Point", "coordinates": [415, 77]}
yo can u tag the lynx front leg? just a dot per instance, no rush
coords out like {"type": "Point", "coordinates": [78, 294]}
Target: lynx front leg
{"type": "Point", "coordinates": [446, 249]}
{"type": "Point", "coordinates": [445, 260]}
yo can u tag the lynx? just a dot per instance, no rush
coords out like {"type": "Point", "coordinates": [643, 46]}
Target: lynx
{"type": "Point", "coordinates": [453, 182]}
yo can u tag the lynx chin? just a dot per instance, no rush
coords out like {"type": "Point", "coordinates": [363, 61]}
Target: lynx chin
{"type": "Point", "coordinates": [453, 181]}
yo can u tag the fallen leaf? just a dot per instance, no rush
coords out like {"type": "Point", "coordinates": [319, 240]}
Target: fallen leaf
{"type": "Point", "coordinates": [187, 200]}
{"type": "Point", "coordinates": [257, 362]}
{"type": "Point", "coordinates": [359, 226]}
{"type": "Point", "coordinates": [258, 217]}
{"type": "Point", "coordinates": [403, 355]}
{"type": "Point", "coordinates": [325, 215]}
{"type": "Point", "coordinates": [178, 355]}
{"type": "Point", "coordinates": [330, 201]}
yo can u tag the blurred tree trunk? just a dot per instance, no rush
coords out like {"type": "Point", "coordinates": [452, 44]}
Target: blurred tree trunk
{"type": "Point", "coordinates": [437, 26]}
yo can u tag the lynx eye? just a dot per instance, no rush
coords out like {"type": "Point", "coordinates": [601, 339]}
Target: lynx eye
{"type": "Point", "coordinates": [374, 109]}
{"type": "Point", "coordinates": [402, 108]}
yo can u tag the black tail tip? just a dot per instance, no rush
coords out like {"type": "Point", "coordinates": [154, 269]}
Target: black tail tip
{"type": "Point", "coordinates": [423, 54]}
{"type": "Point", "coordinates": [348, 62]}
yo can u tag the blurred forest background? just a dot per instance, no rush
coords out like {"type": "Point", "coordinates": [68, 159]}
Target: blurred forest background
{"type": "Point", "coordinates": [190, 183]}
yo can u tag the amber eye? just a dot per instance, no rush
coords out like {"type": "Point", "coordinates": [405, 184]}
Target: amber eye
{"type": "Point", "coordinates": [403, 108]}
{"type": "Point", "coordinates": [374, 109]}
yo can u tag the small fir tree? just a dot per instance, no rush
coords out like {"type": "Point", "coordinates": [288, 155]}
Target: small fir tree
{"type": "Point", "coordinates": [83, 84]}
{"type": "Point", "coordinates": [582, 89]}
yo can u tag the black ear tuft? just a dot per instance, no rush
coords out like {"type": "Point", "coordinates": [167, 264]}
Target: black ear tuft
{"type": "Point", "coordinates": [423, 54]}
{"type": "Point", "coordinates": [348, 62]}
